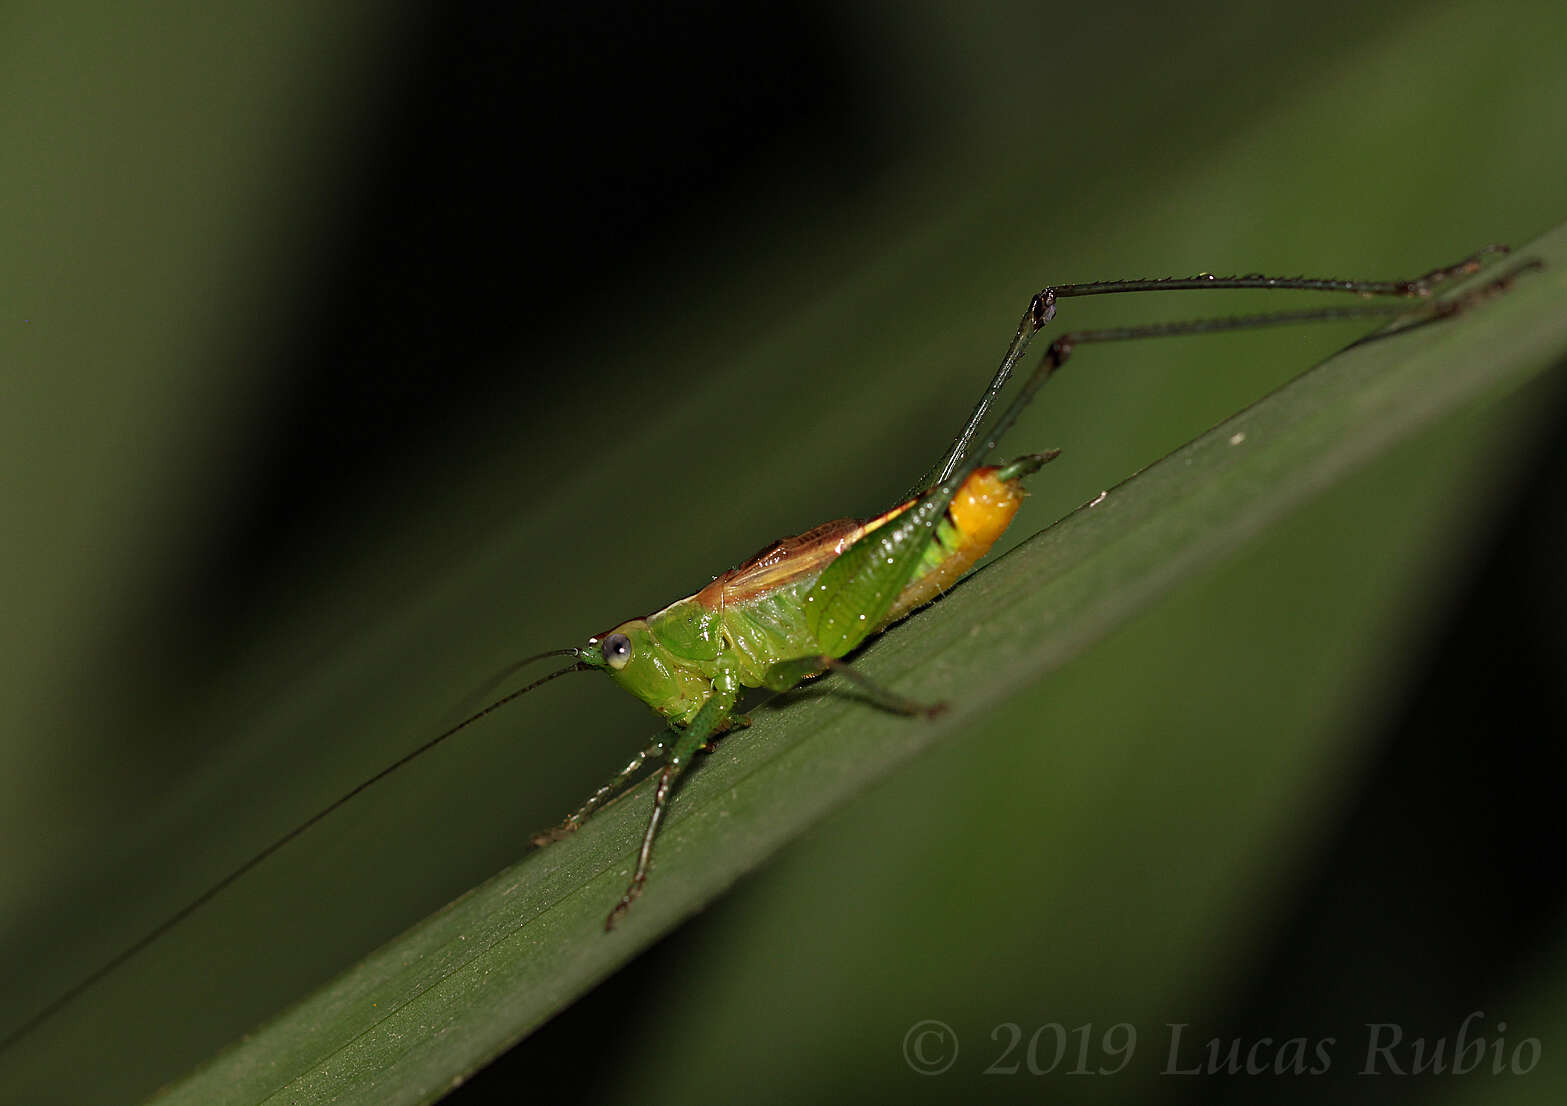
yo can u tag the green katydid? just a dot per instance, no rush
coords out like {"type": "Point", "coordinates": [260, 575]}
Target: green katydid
{"type": "Point", "coordinates": [799, 607]}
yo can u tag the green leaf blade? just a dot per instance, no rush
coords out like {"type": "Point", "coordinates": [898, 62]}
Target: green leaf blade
{"type": "Point", "coordinates": [425, 1011]}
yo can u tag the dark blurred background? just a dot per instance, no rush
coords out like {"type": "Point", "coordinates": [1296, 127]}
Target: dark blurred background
{"type": "Point", "coordinates": [353, 352]}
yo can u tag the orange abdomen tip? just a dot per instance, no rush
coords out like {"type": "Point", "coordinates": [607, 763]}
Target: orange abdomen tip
{"type": "Point", "coordinates": [985, 505]}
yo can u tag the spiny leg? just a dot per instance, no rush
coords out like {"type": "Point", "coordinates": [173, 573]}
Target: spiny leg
{"type": "Point", "coordinates": [666, 782]}
{"type": "Point", "coordinates": [616, 784]}
{"type": "Point", "coordinates": [1042, 308]}
{"type": "Point", "coordinates": [708, 721]}
{"type": "Point", "coordinates": [1062, 347]}
{"type": "Point", "coordinates": [621, 779]}
{"type": "Point", "coordinates": [1438, 309]}
{"type": "Point", "coordinates": [787, 674]}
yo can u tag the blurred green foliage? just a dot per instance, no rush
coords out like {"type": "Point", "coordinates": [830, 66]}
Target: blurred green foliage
{"type": "Point", "coordinates": [793, 351]}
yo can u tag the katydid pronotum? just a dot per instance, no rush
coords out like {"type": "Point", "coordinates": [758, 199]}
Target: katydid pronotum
{"type": "Point", "coordinates": [799, 607]}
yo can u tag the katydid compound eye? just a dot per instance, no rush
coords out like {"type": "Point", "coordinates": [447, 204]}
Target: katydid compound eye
{"type": "Point", "coordinates": [617, 651]}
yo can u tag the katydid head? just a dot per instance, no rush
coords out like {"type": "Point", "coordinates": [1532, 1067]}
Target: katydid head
{"type": "Point", "coordinates": [637, 661]}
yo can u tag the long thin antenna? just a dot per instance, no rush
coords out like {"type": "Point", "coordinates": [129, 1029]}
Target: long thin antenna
{"type": "Point", "coordinates": [217, 888]}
